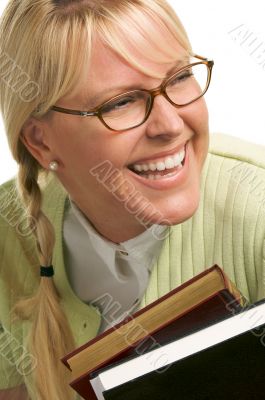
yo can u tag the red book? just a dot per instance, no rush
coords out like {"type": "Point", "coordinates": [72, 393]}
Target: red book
{"type": "Point", "coordinates": [203, 300]}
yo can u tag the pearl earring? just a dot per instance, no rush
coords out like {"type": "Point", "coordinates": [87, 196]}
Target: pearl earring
{"type": "Point", "coordinates": [53, 166]}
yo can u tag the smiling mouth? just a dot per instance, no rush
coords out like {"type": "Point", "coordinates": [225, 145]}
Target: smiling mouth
{"type": "Point", "coordinates": [165, 167]}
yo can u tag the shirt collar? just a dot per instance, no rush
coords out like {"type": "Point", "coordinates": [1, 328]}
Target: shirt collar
{"type": "Point", "coordinates": [146, 242]}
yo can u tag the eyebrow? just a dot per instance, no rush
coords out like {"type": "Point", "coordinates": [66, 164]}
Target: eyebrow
{"type": "Point", "coordinates": [95, 100]}
{"type": "Point", "coordinates": [178, 64]}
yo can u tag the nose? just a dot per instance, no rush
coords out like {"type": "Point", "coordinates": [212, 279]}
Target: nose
{"type": "Point", "coordinates": [165, 120]}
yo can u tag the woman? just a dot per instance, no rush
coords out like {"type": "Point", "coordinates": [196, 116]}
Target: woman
{"type": "Point", "coordinates": [134, 203]}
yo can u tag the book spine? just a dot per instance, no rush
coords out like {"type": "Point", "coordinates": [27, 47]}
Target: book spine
{"type": "Point", "coordinates": [232, 304]}
{"type": "Point", "coordinates": [233, 289]}
{"type": "Point", "coordinates": [83, 387]}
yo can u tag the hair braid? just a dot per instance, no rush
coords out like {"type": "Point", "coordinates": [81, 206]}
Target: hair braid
{"type": "Point", "coordinates": [50, 335]}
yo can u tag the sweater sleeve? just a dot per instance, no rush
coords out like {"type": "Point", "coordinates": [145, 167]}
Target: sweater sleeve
{"type": "Point", "coordinates": [261, 278]}
{"type": "Point", "coordinates": [15, 254]}
{"type": "Point", "coordinates": [241, 167]}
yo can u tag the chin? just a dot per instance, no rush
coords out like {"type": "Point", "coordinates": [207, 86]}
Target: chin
{"type": "Point", "coordinates": [175, 211]}
{"type": "Point", "coordinates": [183, 213]}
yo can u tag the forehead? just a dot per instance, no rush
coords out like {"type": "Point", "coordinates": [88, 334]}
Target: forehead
{"type": "Point", "coordinates": [106, 63]}
{"type": "Point", "coordinates": [108, 73]}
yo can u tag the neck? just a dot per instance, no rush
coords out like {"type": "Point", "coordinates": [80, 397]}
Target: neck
{"type": "Point", "coordinates": [113, 227]}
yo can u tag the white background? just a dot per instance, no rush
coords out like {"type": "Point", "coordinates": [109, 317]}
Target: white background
{"type": "Point", "coordinates": [236, 95]}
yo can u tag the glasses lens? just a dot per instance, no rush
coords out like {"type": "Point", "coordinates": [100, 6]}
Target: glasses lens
{"type": "Point", "coordinates": [126, 111]}
{"type": "Point", "coordinates": [188, 85]}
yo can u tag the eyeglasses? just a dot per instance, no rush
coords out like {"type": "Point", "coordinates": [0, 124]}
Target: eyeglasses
{"type": "Point", "coordinates": [131, 109]}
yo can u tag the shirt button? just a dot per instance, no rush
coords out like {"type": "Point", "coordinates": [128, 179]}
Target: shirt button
{"type": "Point", "coordinates": [123, 253]}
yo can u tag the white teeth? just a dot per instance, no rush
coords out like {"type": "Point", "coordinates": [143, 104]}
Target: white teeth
{"type": "Point", "coordinates": [160, 166]}
{"type": "Point", "coordinates": [168, 163]}
{"type": "Point", "coordinates": [152, 166]}
{"type": "Point", "coordinates": [179, 157]}
{"type": "Point", "coordinates": [157, 176]}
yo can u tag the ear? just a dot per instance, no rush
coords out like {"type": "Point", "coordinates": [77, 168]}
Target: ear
{"type": "Point", "coordinates": [34, 138]}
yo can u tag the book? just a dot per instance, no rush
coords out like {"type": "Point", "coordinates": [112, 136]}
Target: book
{"type": "Point", "coordinates": [223, 361]}
{"type": "Point", "coordinates": [203, 300]}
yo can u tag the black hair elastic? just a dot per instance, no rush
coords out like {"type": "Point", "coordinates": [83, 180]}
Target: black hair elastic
{"type": "Point", "coordinates": [47, 271]}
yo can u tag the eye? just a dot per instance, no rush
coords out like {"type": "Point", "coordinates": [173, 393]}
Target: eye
{"type": "Point", "coordinates": [119, 104]}
{"type": "Point", "coordinates": [180, 78]}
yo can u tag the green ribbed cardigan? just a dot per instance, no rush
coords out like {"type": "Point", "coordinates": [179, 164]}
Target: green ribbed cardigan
{"type": "Point", "coordinates": [228, 228]}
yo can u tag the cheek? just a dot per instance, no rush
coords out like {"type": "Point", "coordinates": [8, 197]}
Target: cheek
{"type": "Point", "coordinates": [79, 150]}
{"type": "Point", "coordinates": [75, 143]}
{"type": "Point", "coordinates": [197, 117]}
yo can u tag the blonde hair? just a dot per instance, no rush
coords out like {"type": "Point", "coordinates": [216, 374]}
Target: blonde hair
{"type": "Point", "coordinates": [48, 42]}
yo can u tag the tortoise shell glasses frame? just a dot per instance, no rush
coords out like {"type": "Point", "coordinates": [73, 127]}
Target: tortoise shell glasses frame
{"type": "Point", "coordinates": [147, 97]}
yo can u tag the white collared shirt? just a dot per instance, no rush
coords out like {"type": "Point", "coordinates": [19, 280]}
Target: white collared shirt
{"type": "Point", "coordinates": [111, 276]}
